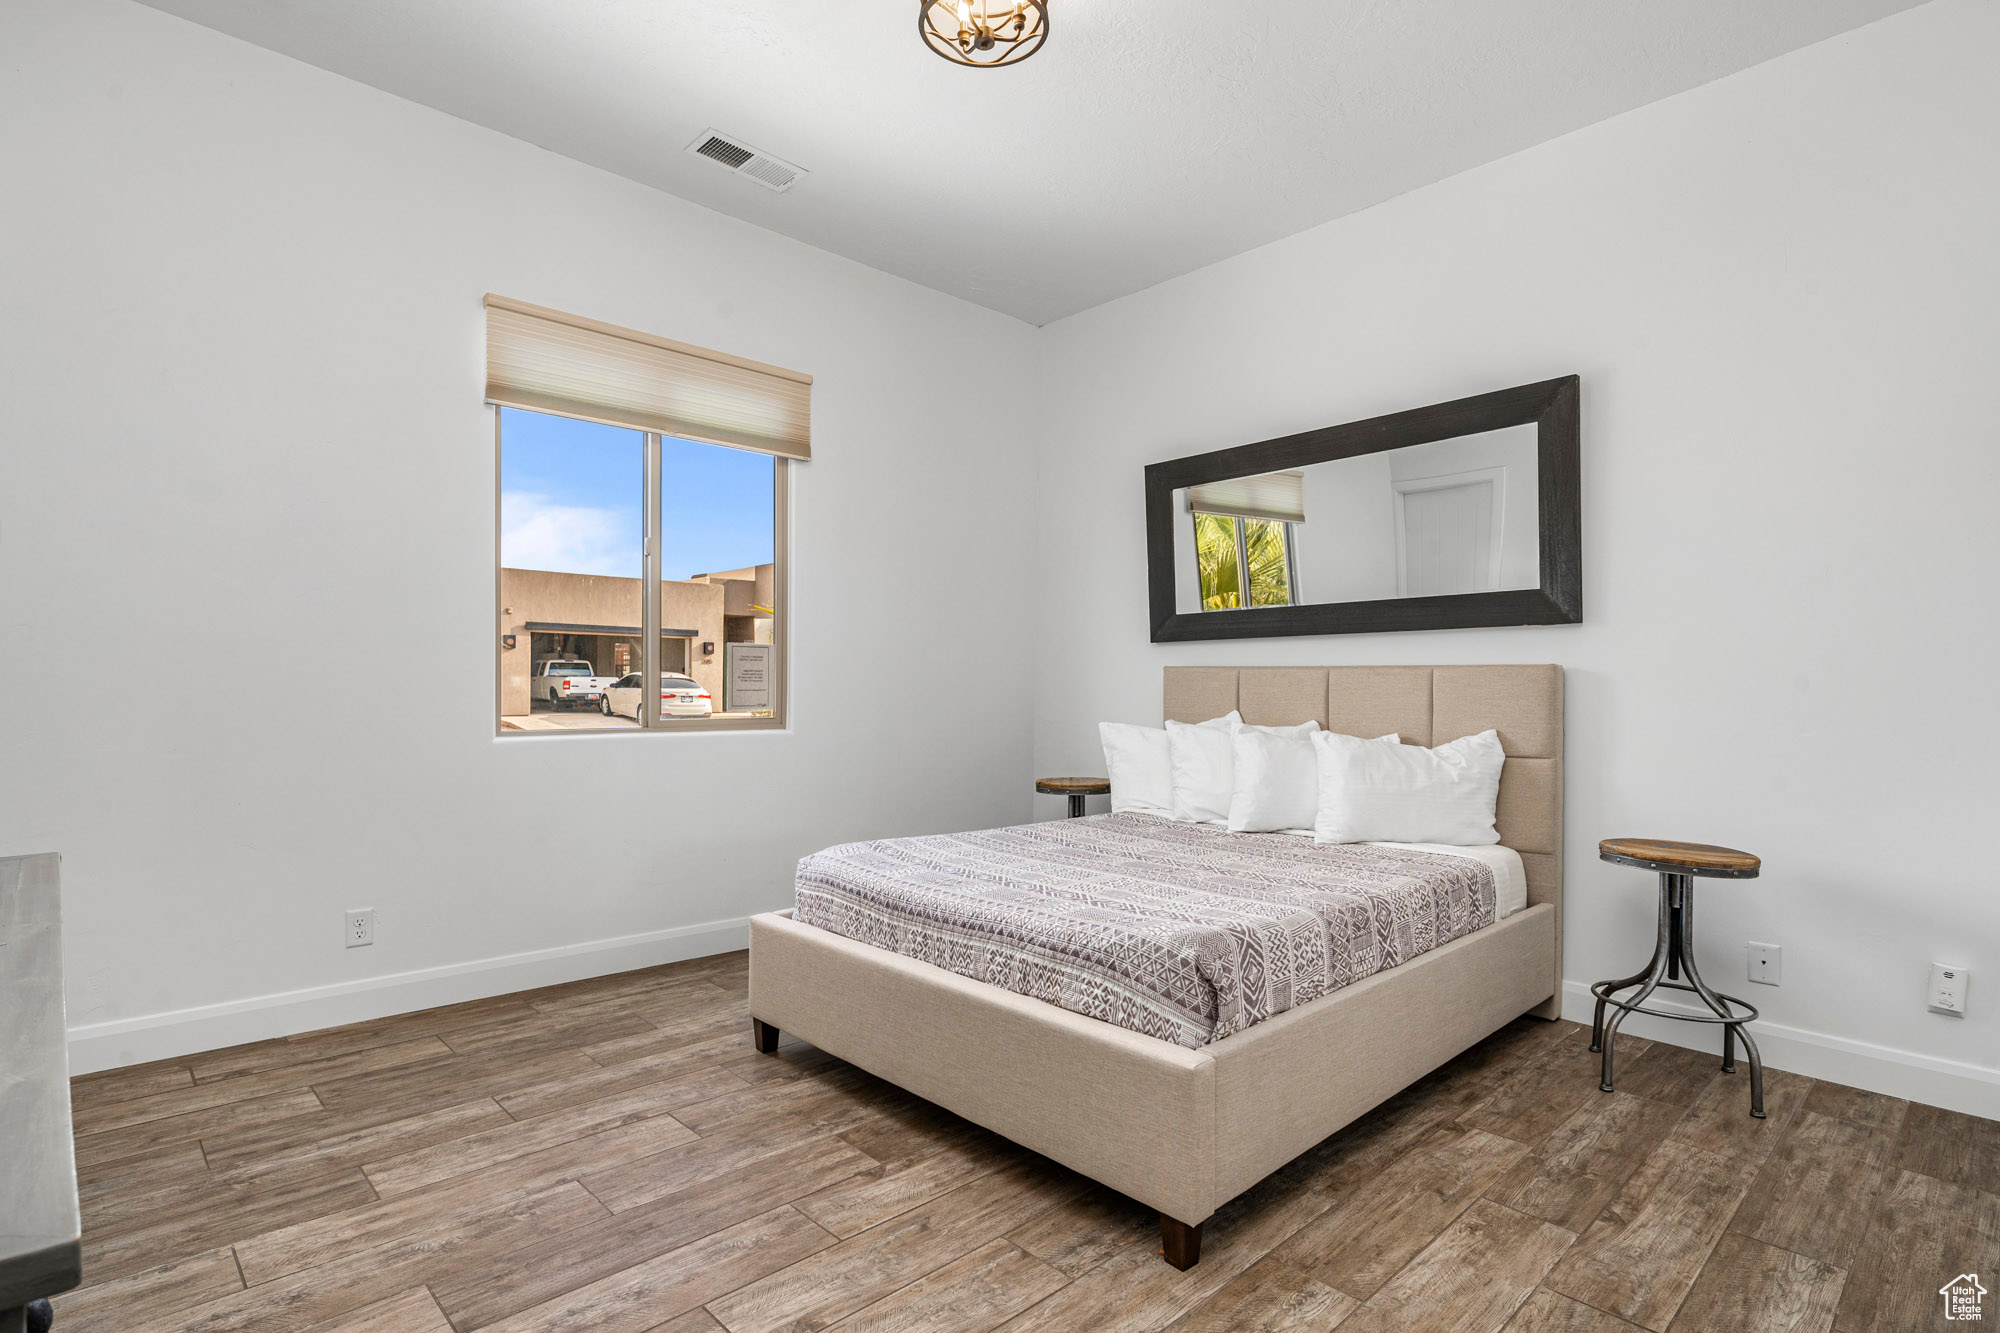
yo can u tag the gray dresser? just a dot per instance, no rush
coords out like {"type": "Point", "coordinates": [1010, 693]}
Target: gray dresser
{"type": "Point", "coordinates": [41, 1230]}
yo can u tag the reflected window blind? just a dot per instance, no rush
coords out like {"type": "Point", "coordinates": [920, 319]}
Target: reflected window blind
{"type": "Point", "coordinates": [546, 361]}
{"type": "Point", "coordinates": [1277, 496]}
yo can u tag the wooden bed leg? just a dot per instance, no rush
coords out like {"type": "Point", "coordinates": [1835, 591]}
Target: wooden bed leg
{"type": "Point", "coordinates": [765, 1036]}
{"type": "Point", "coordinates": [1180, 1242]}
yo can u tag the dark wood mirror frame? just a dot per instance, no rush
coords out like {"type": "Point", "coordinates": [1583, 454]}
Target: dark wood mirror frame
{"type": "Point", "coordinates": [1551, 405]}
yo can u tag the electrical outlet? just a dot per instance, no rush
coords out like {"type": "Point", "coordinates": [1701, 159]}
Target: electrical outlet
{"type": "Point", "coordinates": [1764, 962]}
{"type": "Point", "coordinates": [360, 927]}
{"type": "Point", "coordinates": [1948, 987]}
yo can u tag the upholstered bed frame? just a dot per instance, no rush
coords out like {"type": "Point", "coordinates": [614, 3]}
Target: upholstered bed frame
{"type": "Point", "coordinates": [1180, 1130]}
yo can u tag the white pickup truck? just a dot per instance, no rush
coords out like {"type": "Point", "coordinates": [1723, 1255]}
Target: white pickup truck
{"type": "Point", "coordinates": [568, 680]}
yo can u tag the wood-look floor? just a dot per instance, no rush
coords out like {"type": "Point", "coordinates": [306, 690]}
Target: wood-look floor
{"type": "Point", "coordinates": [611, 1155]}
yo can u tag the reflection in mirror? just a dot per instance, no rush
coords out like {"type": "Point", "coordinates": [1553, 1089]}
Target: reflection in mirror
{"type": "Point", "coordinates": [1451, 516]}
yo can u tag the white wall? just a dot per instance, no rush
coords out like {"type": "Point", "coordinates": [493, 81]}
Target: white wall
{"type": "Point", "coordinates": [241, 349]}
{"type": "Point", "coordinates": [1782, 292]}
{"type": "Point", "coordinates": [1346, 548]}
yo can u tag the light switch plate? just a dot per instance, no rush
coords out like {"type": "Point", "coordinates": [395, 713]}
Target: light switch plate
{"type": "Point", "coordinates": [1765, 962]}
{"type": "Point", "coordinates": [1948, 987]}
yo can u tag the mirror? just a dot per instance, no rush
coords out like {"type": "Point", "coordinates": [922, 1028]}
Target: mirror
{"type": "Point", "coordinates": [1451, 516]}
{"type": "Point", "coordinates": [1459, 514]}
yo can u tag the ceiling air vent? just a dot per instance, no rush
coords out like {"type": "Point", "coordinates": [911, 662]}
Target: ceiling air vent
{"type": "Point", "coordinates": [772, 173]}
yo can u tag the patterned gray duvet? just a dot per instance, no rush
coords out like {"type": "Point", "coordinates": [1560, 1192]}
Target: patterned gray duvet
{"type": "Point", "coordinates": [1184, 932]}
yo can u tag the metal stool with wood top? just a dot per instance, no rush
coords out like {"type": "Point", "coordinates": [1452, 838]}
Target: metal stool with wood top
{"type": "Point", "coordinates": [1678, 864]}
{"type": "Point", "coordinates": [1074, 788]}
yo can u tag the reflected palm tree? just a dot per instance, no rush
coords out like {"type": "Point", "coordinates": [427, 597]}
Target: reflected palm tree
{"type": "Point", "coordinates": [1264, 543]}
{"type": "Point", "coordinates": [1215, 556]}
{"type": "Point", "coordinates": [1221, 573]}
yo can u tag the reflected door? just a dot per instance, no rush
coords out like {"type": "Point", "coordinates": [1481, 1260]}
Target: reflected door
{"type": "Point", "coordinates": [1447, 540]}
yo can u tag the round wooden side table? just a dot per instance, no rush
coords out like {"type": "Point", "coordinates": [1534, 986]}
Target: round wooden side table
{"type": "Point", "coordinates": [1074, 788]}
{"type": "Point", "coordinates": [1678, 865]}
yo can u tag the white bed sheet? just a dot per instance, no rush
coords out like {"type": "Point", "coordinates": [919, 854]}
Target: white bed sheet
{"type": "Point", "coordinates": [1510, 877]}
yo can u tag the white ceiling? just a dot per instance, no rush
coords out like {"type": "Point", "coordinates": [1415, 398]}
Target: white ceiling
{"type": "Point", "coordinates": [1147, 138]}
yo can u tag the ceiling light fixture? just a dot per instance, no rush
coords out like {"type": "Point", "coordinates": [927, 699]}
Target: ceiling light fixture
{"type": "Point", "coordinates": [984, 33]}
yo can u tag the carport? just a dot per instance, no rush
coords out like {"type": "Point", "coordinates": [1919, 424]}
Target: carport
{"type": "Point", "coordinates": [598, 617]}
{"type": "Point", "coordinates": [611, 650]}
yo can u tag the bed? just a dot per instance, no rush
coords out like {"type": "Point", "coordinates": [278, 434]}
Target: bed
{"type": "Point", "coordinates": [1185, 1129]}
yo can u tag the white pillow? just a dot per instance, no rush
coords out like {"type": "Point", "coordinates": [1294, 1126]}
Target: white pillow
{"type": "Point", "coordinates": [1136, 761]}
{"type": "Point", "coordinates": [1204, 765]}
{"type": "Point", "coordinates": [1277, 780]}
{"type": "Point", "coordinates": [1371, 792]}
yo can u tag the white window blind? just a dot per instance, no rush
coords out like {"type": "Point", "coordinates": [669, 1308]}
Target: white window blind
{"type": "Point", "coordinates": [546, 361]}
{"type": "Point", "coordinates": [1277, 496]}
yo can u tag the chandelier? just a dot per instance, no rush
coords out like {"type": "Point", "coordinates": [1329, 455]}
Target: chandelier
{"type": "Point", "coordinates": [984, 33]}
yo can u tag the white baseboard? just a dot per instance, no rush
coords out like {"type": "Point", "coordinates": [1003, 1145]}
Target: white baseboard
{"type": "Point", "coordinates": [130, 1041]}
{"type": "Point", "coordinates": [1952, 1084]}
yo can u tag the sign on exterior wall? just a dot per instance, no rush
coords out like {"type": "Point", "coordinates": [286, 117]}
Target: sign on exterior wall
{"type": "Point", "coordinates": [746, 677]}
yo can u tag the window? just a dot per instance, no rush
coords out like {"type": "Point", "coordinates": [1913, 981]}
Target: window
{"type": "Point", "coordinates": [1233, 553]}
{"type": "Point", "coordinates": [574, 520]}
{"type": "Point", "coordinates": [1245, 540]}
{"type": "Point", "coordinates": [642, 504]}
{"type": "Point", "coordinates": [1267, 554]}
{"type": "Point", "coordinates": [718, 565]}
{"type": "Point", "coordinates": [1221, 565]}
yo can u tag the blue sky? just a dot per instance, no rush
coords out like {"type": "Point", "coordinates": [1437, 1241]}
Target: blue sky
{"type": "Point", "coordinates": [570, 500]}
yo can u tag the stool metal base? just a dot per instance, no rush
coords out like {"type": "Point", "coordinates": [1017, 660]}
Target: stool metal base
{"type": "Point", "coordinates": [1672, 957]}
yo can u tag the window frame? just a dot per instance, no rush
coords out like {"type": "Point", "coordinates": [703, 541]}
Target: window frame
{"type": "Point", "coordinates": [650, 721]}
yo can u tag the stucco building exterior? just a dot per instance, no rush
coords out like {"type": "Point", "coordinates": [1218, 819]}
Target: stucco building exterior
{"type": "Point", "coordinates": [596, 617]}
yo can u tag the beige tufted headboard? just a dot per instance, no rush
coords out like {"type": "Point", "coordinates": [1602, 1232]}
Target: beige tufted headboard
{"type": "Point", "coordinates": [1427, 706]}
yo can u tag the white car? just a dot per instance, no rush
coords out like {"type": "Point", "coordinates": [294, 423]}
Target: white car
{"type": "Point", "coordinates": [680, 696]}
